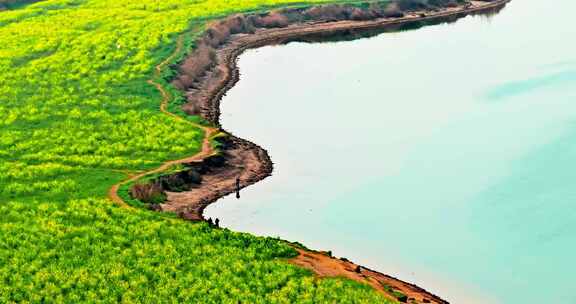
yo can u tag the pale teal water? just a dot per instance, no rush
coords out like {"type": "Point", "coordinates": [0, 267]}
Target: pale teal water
{"type": "Point", "coordinates": [445, 155]}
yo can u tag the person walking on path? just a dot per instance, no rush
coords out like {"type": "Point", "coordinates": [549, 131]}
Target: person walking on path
{"type": "Point", "coordinates": [238, 187]}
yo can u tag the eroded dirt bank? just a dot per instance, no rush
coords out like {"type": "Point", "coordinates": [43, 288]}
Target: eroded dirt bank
{"type": "Point", "coordinates": [211, 70]}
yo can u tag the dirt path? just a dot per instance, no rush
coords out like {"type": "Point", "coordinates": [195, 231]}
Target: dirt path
{"type": "Point", "coordinates": [206, 151]}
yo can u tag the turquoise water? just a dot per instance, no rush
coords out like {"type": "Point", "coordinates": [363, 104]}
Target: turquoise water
{"type": "Point", "coordinates": [445, 155]}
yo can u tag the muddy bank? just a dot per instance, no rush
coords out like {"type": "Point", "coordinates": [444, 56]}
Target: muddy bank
{"type": "Point", "coordinates": [239, 164]}
{"type": "Point", "coordinates": [211, 70]}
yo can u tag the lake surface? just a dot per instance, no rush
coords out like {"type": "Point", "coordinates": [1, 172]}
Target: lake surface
{"type": "Point", "coordinates": [445, 155]}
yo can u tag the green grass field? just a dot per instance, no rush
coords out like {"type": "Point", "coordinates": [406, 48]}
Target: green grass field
{"type": "Point", "coordinates": [76, 114]}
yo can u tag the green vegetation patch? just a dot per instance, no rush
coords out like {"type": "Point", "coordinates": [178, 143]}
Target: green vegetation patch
{"type": "Point", "coordinates": [396, 293]}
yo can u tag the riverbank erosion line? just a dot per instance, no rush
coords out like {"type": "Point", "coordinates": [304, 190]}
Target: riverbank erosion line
{"type": "Point", "coordinates": [211, 70]}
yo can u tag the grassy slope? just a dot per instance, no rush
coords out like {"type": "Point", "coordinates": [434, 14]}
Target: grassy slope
{"type": "Point", "coordinates": [75, 115]}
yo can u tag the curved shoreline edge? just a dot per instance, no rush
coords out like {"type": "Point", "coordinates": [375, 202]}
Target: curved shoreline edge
{"type": "Point", "coordinates": [204, 100]}
{"type": "Point", "coordinates": [250, 163]}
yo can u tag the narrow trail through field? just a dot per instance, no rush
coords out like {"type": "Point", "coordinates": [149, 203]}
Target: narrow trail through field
{"type": "Point", "coordinates": [207, 149]}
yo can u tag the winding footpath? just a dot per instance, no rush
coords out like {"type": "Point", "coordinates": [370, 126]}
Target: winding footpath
{"type": "Point", "coordinates": [207, 148]}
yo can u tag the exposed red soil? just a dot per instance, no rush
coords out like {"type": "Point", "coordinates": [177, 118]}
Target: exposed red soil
{"type": "Point", "coordinates": [325, 266]}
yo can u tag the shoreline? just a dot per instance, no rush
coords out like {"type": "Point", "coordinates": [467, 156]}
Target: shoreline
{"type": "Point", "coordinates": [243, 159]}
{"type": "Point", "coordinates": [204, 100]}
